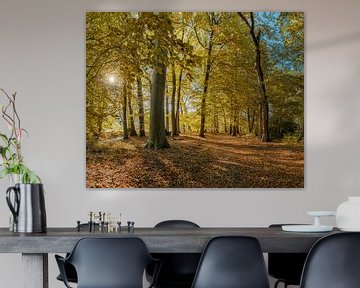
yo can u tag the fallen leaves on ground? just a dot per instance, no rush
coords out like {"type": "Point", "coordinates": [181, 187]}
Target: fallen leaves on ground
{"type": "Point", "coordinates": [217, 161]}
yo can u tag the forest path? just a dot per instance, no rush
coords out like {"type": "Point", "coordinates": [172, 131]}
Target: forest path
{"type": "Point", "coordinates": [217, 161]}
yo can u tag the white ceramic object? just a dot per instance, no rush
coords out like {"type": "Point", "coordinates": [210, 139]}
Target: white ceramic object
{"type": "Point", "coordinates": [318, 214]}
{"type": "Point", "coordinates": [348, 214]}
{"type": "Point", "coordinates": [306, 228]}
{"type": "Point", "coordinates": [321, 213]}
{"type": "Point", "coordinates": [316, 227]}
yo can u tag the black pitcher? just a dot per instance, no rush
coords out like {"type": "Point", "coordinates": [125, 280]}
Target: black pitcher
{"type": "Point", "coordinates": [28, 208]}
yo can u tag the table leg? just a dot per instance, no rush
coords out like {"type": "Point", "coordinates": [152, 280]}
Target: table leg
{"type": "Point", "coordinates": [35, 270]}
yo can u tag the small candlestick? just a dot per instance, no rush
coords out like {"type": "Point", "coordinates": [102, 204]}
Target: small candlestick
{"type": "Point", "coordinates": [78, 225]}
{"type": "Point", "coordinates": [130, 226]}
{"type": "Point", "coordinates": [90, 221]}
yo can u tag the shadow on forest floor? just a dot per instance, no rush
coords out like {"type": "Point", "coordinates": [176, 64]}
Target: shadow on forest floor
{"type": "Point", "coordinates": [217, 161]}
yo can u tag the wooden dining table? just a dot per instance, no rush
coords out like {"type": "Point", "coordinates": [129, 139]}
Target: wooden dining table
{"type": "Point", "coordinates": [35, 247]}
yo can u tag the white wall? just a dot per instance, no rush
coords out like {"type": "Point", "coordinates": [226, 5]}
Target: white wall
{"type": "Point", "coordinates": [42, 57]}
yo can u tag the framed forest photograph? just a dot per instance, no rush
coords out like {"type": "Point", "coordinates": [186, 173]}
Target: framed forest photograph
{"type": "Point", "coordinates": [195, 100]}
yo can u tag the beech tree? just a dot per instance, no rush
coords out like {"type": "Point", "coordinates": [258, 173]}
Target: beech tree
{"type": "Point", "coordinates": [256, 37]}
{"type": "Point", "coordinates": [163, 35]}
{"type": "Point", "coordinates": [206, 40]}
{"type": "Point", "coordinates": [124, 111]}
{"type": "Point", "coordinates": [131, 116]}
{"type": "Point", "coordinates": [157, 134]}
{"type": "Point", "coordinates": [141, 106]}
{"type": "Point", "coordinates": [174, 130]}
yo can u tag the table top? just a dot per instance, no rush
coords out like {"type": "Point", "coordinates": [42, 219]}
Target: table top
{"type": "Point", "coordinates": [158, 240]}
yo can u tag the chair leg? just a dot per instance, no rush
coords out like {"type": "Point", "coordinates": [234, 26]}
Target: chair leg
{"type": "Point", "coordinates": [278, 282]}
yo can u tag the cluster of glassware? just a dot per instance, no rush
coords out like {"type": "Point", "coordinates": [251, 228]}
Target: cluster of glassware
{"type": "Point", "coordinates": [104, 222]}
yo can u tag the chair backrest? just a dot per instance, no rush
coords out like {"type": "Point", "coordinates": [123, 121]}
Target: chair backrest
{"type": "Point", "coordinates": [286, 266]}
{"type": "Point", "coordinates": [110, 262]}
{"type": "Point", "coordinates": [178, 269]}
{"type": "Point", "coordinates": [232, 262]}
{"type": "Point", "coordinates": [176, 224]}
{"type": "Point", "coordinates": [333, 262]}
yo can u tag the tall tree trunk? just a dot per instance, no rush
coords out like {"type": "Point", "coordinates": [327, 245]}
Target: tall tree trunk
{"type": "Point", "coordinates": [253, 121]}
{"type": "Point", "coordinates": [131, 116]}
{"type": "Point", "coordinates": [264, 101]}
{"type": "Point", "coordinates": [231, 120]}
{"type": "Point", "coordinates": [248, 119]}
{"type": "Point", "coordinates": [279, 130]}
{"type": "Point", "coordinates": [225, 122]}
{"type": "Point", "coordinates": [262, 89]}
{"type": "Point", "coordinates": [261, 120]}
{"type": "Point", "coordinates": [157, 135]}
{"type": "Point", "coordinates": [234, 125]}
{"type": "Point", "coordinates": [125, 129]}
{"type": "Point", "coordinates": [206, 85]}
{"type": "Point", "coordinates": [140, 99]}
{"type": "Point", "coordinates": [173, 105]}
{"type": "Point", "coordinates": [235, 130]}
{"type": "Point", "coordinates": [167, 120]}
{"type": "Point", "coordinates": [237, 117]}
{"type": "Point", "coordinates": [177, 116]}
{"type": "Point", "coordinates": [301, 130]}
{"type": "Point", "coordinates": [216, 123]}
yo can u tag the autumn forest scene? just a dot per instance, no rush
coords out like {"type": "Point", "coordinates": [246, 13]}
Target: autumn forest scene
{"type": "Point", "coordinates": [194, 100]}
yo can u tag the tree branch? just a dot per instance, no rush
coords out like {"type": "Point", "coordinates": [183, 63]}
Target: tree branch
{"type": "Point", "coordinates": [197, 37]}
{"type": "Point", "coordinates": [245, 20]}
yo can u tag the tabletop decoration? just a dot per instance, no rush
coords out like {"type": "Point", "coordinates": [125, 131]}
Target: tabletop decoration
{"type": "Point", "coordinates": [25, 197]}
{"type": "Point", "coordinates": [348, 214]}
{"type": "Point", "coordinates": [315, 227]}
